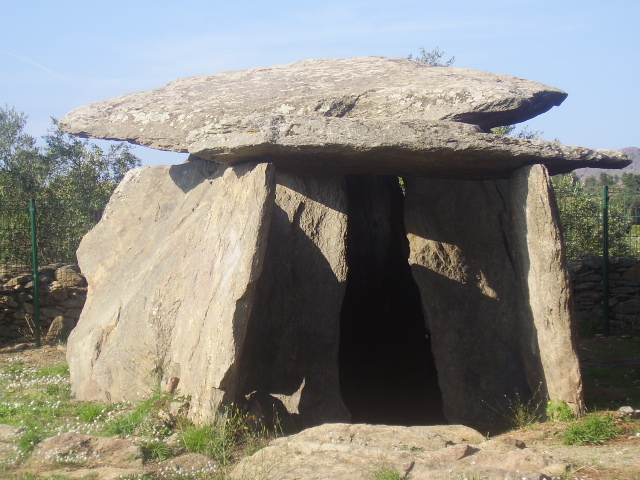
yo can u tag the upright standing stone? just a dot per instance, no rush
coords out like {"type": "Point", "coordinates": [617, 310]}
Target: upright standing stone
{"type": "Point", "coordinates": [291, 350]}
{"type": "Point", "coordinates": [172, 270]}
{"type": "Point", "coordinates": [488, 259]}
{"type": "Point", "coordinates": [467, 281]}
{"type": "Point", "coordinates": [551, 341]}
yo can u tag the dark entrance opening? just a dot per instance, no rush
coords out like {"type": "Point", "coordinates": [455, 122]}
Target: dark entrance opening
{"type": "Point", "coordinates": [387, 374]}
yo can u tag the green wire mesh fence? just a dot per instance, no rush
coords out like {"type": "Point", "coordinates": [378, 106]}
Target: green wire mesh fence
{"type": "Point", "coordinates": [601, 227]}
{"type": "Point", "coordinates": [35, 235]}
{"type": "Point", "coordinates": [60, 227]}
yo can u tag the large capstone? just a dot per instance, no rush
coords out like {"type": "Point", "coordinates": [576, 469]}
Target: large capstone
{"type": "Point", "coordinates": [287, 269]}
{"type": "Point", "coordinates": [345, 116]}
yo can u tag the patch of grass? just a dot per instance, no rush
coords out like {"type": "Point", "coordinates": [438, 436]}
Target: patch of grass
{"type": "Point", "coordinates": [615, 348]}
{"type": "Point", "coordinates": [226, 439]}
{"type": "Point", "coordinates": [13, 369]}
{"type": "Point", "coordinates": [593, 429]}
{"type": "Point", "coordinates": [90, 412]}
{"type": "Point", "coordinates": [388, 472]}
{"type": "Point", "coordinates": [610, 387]}
{"type": "Point", "coordinates": [559, 411]}
{"type": "Point", "coordinates": [127, 423]}
{"type": "Point", "coordinates": [211, 440]}
{"type": "Point", "coordinates": [30, 438]}
{"type": "Point", "coordinates": [150, 418]}
{"type": "Point", "coordinates": [156, 451]}
{"type": "Point", "coordinates": [518, 412]}
{"type": "Point", "coordinates": [53, 371]}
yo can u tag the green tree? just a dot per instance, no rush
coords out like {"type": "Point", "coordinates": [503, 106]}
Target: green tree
{"type": "Point", "coordinates": [71, 180]}
{"type": "Point", "coordinates": [631, 182]}
{"type": "Point", "coordinates": [523, 133]}
{"type": "Point", "coordinates": [20, 167]}
{"type": "Point", "coordinates": [591, 181]}
{"type": "Point", "coordinates": [608, 179]}
{"type": "Point", "coordinates": [432, 58]}
{"type": "Point", "coordinates": [581, 209]}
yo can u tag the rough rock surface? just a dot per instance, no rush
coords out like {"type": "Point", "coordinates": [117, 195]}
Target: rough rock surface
{"type": "Point", "coordinates": [546, 287]}
{"type": "Point", "coordinates": [318, 146]}
{"type": "Point", "coordinates": [291, 347]}
{"type": "Point", "coordinates": [477, 277]}
{"type": "Point", "coordinates": [354, 452]}
{"type": "Point", "coordinates": [360, 115]}
{"type": "Point", "coordinates": [365, 87]}
{"type": "Point", "coordinates": [232, 280]}
{"type": "Point", "coordinates": [187, 243]}
{"type": "Point", "coordinates": [75, 447]}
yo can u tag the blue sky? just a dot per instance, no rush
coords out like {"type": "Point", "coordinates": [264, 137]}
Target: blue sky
{"type": "Point", "coordinates": [56, 56]}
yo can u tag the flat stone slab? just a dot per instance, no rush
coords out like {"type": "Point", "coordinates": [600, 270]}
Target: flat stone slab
{"type": "Point", "coordinates": [437, 149]}
{"type": "Point", "coordinates": [333, 116]}
{"type": "Point", "coordinates": [361, 452]}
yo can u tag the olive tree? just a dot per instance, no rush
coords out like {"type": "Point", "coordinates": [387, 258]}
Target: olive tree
{"type": "Point", "coordinates": [71, 180]}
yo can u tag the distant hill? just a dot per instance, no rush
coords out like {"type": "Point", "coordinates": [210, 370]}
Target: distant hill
{"type": "Point", "coordinates": [632, 152]}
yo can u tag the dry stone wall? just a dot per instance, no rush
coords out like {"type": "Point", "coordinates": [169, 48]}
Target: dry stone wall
{"type": "Point", "coordinates": [624, 294]}
{"type": "Point", "coordinates": [62, 290]}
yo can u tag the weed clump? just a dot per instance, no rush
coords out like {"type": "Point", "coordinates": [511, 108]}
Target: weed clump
{"type": "Point", "coordinates": [560, 411]}
{"type": "Point", "coordinates": [517, 412]}
{"type": "Point", "coordinates": [226, 438]}
{"type": "Point", "coordinates": [388, 472]}
{"type": "Point", "coordinates": [593, 429]}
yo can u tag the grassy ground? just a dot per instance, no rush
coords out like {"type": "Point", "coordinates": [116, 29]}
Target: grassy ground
{"type": "Point", "coordinates": [37, 399]}
{"type": "Point", "coordinates": [35, 396]}
{"type": "Point", "coordinates": [611, 372]}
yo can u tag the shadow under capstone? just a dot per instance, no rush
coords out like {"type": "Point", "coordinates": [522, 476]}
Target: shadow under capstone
{"type": "Point", "coordinates": [387, 374]}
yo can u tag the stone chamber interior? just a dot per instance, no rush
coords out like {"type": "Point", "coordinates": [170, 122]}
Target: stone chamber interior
{"type": "Point", "coordinates": [387, 373]}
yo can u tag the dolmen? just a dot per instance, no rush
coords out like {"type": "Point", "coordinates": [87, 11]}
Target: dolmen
{"type": "Point", "coordinates": [347, 241]}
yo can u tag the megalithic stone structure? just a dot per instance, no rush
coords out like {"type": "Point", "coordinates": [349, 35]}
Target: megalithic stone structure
{"type": "Point", "coordinates": [283, 266]}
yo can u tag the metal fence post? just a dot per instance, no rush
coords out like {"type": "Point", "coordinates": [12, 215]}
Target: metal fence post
{"type": "Point", "coordinates": [605, 259]}
{"type": "Point", "coordinates": [34, 253]}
